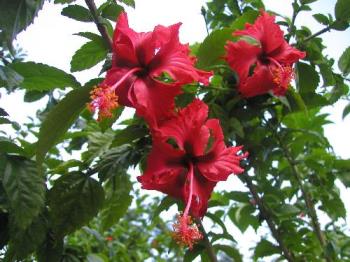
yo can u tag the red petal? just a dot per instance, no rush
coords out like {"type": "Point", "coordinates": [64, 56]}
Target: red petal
{"type": "Point", "coordinates": [241, 56]}
{"type": "Point", "coordinates": [266, 31]}
{"type": "Point", "coordinates": [188, 127]}
{"type": "Point", "coordinates": [174, 59]}
{"type": "Point", "coordinates": [220, 161]}
{"type": "Point", "coordinates": [287, 54]}
{"type": "Point", "coordinates": [165, 171]}
{"type": "Point", "coordinates": [258, 84]}
{"type": "Point", "coordinates": [154, 100]}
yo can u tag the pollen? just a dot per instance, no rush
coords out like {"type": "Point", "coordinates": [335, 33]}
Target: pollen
{"type": "Point", "coordinates": [186, 233]}
{"type": "Point", "coordinates": [282, 76]}
{"type": "Point", "coordinates": [103, 99]}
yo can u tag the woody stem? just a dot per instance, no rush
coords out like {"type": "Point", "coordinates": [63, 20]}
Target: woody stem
{"type": "Point", "coordinates": [100, 26]}
{"type": "Point", "coordinates": [208, 245]}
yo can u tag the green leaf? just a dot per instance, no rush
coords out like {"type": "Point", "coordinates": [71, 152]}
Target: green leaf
{"type": "Point", "coordinates": [341, 10]}
{"type": "Point", "coordinates": [327, 75]}
{"type": "Point", "coordinates": [344, 62]}
{"type": "Point", "coordinates": [212, 49]}
{"type": "Point", "coordinates": [242, 216]}
{"type": "Point", "coordinates": [64, 1]}
{"type": "Point", "coordinates": [10, 76]}
{"type": "Point", "coordinates": [51, 249]}
{"type": "Point", "coordinates": [77, 12]}
{"type": "Point", "coordinates": [7, 146]}
{"type": "Point", "coordinates": [322, 19]}
{"type": "Point", "coordinates": [4, 229]}
{"type": "Point", "coordinates": [25, 190]}
{"type": "Point", "coordinates": [346, 110]}
{"type": "Point", "coordinates": [165, 204]}
{"type": "Point", "coordinates": [307, 78]}
{"type": "Point", "coordinates": [82, 196]}
{"type": "Point", "coordinates": [230, 251]}
{"type": "Point", "coordinates": [191, 254]}
{"type": "Point", "coordinates": [286, 211]}
{"type": "Point", "coordinates": [129, 134]}
{"type": "Point", "coordinates": [238, 196]}
{"type": "Point", "coordinates": [129, 3]}
{"type": "Point", "coordinates": [264, 249]}
{"type": "Point", "coordinates": [60, 118]}
{"type": "Point", "coordinates": [89, 55]}
{"type": "Point", "coordinates": [111, 10]}
{"type": "Point", "coordinates": [41, 77]}
{"type": "Point", "coordinates": [17, 15]}
{"type": "Point", "coordinates": [118, 200]}
{"type": "Point", "coordinates": [97, 258]}
{"type": "Point", "coordinates": [24, 242]}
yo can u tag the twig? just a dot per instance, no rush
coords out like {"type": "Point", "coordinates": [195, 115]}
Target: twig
{"type": "Point", "coordinates": [291, 27]}
{"type": "Point", "coordinates": [208, 245]}
{"type": "Point", "coordinates": [326, 29]}
{"type": "Point", "coordinates": [268, 218]}
{"type": "Point", "coordinates": [100, 26]}
{"type": "Point", "coordinates": [307, 198]}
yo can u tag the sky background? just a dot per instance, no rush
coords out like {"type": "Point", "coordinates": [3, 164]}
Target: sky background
{"type": "Point", "coordinates": [50, 40]}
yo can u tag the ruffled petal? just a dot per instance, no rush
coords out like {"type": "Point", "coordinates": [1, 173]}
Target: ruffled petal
{"type": "Point", "coordinates": [266, 31]}
{"type": "Point", "coordinates": [220, 161]}
{"type": "Point", "coordinates": [174, 58]}
{"type": "Point", "coordinates": [286, 54]}
{"type": "Point", "coordinates": [154, 100]}
{"type": "Point", "coordinates": [241, 56]}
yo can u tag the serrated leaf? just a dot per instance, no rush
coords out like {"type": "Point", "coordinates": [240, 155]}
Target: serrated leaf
{"type": "Point", "coordinates": [344, 62]}
{"type": "Point", "coordinates": [24, 242]}
{"type": "Point", "coordinates": [346, 110]}
{"type": "Point", "coordinates": [77, 12]}
{"type": "Point", "coordinates": [129, 134]}
{"type": "Point", "coordinates": [286, 211]}
{"type": "Point", "coordinates": [82, 196]}
{"type": "Point", "coordinates": [89, 55]}
{"type": "Point", "coordinates": [41, 77]}
{"type": "Point", "coordinates": [238, 196]}
{"type": "Point", "coordinates": [111, 10]}
{"type": "Point", "coordinates": [341, 10]}
{"type": "Point", "coordinates": [25, 190]}
{"type": "Point", "coordinates": [243, 217]}
{"type": "Point", "coordinates": [17, 15]}
{"type": "Point", "coordinates": [307, 78]}
{"type": "Point", "coordinates": [60, 118]}
{"type": "Point", "coordinates": [265, 248]}
{"type": "Point", "coordinates": [118, 200]}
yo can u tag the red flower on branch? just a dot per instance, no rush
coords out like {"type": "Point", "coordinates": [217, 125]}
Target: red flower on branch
{"type": "Point", "coordinates": [187, 159]}
{"type": "Point", "coordinates": [140, 62]}
{"type": "Point", "coordinates": [268, 55]}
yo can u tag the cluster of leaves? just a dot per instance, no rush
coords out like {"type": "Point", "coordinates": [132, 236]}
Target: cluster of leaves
{"type": "Point", "coordinates": [69, 196]}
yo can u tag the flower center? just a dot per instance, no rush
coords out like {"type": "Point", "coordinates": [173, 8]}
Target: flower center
{"type": "Point", "coordinates": [282, 75]}
{"type": "Point", "coordinates": [104, 99]}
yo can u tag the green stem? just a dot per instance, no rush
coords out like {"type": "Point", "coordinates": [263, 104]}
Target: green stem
{"type": "Point", "coordinates": [311, 210]}
{"type": "Point", "coordinates": [208, 245]}
{"type": "Point", "coordinates": [268, 218]}
{"type": "Point", "coordinates": [100, 26]}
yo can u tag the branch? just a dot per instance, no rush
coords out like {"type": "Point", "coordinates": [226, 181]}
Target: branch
{"type": "Point", "coordinates": [326, 29]}
{"type": "Point", "coordinates": [100, 26]}
{"type": "Point", "coordinates": [208, 246]}
{"type": "Point", "coordinates": [290, 29]}
{"type": "Point", "coordinates": [268, 218]}
{"type": "Point", "coordinates": [307, 198]}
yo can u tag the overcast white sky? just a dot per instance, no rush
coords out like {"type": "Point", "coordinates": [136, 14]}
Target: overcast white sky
{"type": "Point", "coordinates": [50, 40]}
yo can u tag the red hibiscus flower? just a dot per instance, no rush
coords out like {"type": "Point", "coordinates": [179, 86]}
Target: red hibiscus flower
{"type": "Point", "coordinates": [271, 58]}
{"type": "Point", "coordinates": [139, 61]}
{"type": "Point", "coordinates": [187, 161]}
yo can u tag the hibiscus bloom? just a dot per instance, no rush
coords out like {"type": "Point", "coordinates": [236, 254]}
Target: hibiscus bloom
{"type": "Point", "coordinates": [269, 56]}
{"type": "Point", "coordinates": [140, 61]}
{"type": "Point", "coordinates": [187, 161]}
